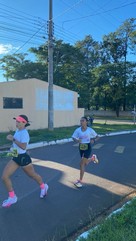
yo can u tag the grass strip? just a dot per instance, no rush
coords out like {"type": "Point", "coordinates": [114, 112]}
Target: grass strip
{"type": "Point", "coordinates": [119, 226]}
{"type": "Point", "coordinates": [66, 132]}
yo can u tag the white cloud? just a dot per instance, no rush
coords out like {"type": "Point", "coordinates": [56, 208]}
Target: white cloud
{"type": "Point", "coordinates": [7, 48]}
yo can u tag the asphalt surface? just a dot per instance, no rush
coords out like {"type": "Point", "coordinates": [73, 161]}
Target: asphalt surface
{"type": "Point", "coordinates": [67, 208]}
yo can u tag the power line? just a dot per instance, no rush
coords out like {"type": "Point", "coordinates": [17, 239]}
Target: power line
{"type": "Point", "coordinates": [99, 13]}
{"type": "Point", "coordinates": [67, 10]}
{"type": "Point", "coordinates": [15, 24]}
{"type": "Point", "coordinates": [27, 41]}
{"type": "Point", "coordinates": [19, 25]}
{"type": "Point", "coordinates": [18, 11]}
{"type": "Point", "coordinates": [65, 33]}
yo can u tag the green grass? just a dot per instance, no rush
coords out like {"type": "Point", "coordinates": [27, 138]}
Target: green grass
{"type": "Point", "coordinates": [120, 226]}
{"type": "Point", "coordinates": [66, 132]}
{"type": "Point", "coordinates": [109, 128]}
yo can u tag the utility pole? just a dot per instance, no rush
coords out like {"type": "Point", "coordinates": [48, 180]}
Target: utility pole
{"type": "Point", "coordinates": [50, 70]}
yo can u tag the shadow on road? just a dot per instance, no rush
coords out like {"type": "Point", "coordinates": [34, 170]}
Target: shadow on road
{"type": "Point", "coordinates": [66, 209]}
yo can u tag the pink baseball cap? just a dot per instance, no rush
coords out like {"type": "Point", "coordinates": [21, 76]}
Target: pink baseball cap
{"type": "Point", "coordinates": [22, 118]}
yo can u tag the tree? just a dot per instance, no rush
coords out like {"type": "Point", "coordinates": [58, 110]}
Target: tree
{"type": "Point", "coordinates": [17, 67]}
{"type": "Point", "coordinates": [131, 88]}
{"type": "Point", "coordinates": [101, 95]}
{"type": "Point", "coordinates": [100, 72]}
{"type": "Point", "coordinates": [91, 58]}
{"type": "Point", "coordinates": [127, 32]}
{"type": "Point", "coordinates": [66, 60]}
{"type": "Point", "coordinates": [10, 63]}
{"type": "Point", "coordinates": [114, 51]}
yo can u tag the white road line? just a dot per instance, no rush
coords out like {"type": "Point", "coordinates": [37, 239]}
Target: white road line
{"type": "Point", "coordinates": [98, 146]}
{"type": "Point", "coordinates": [119, 149]}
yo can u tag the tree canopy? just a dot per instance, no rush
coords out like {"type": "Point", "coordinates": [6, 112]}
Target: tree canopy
{"type": "Point", "coordinates": [103, 73]}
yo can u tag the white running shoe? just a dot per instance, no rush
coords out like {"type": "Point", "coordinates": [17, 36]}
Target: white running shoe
{"type": "Point", "coordinates": [8, 202]}
{"type": "Point", "coordinates": [95, 159]}
{"type": "Point", "coordinates": [78, 184]}
{"type": "Point", "coordinates": [44, 191]}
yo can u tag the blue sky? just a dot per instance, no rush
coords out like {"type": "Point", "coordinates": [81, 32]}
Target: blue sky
{"type": "Point", "coordinates": [23, 24]}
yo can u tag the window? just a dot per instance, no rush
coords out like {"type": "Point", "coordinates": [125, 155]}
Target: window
{"type": "Point", "coordinates": [12, 103]}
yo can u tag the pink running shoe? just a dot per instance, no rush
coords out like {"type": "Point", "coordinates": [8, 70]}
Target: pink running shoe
{"type": "Point", "coordinates": [9, 201]}
{"type": "Point", "coordinates": [44, 191]}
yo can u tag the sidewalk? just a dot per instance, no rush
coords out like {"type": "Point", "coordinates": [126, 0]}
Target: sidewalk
{"type": "Point", "coordinates": [6, 147]}
{"type": "Point", "coordinates": [113, 121]}
{"type": "Point", "coordinates": [45, 143]}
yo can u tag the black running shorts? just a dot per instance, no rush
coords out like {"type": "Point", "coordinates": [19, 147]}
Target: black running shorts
{"type": "Point", "coordinates": [85, 150]}
{"type": "Point", "coordinates": [22, 159]}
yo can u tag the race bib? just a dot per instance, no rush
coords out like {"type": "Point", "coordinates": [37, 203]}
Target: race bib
{"type": "Point", "coordinates": [13, 152]}
{"type": "Point", "coordinates": [83, 147]}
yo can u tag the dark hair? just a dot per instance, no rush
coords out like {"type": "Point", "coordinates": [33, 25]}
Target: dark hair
{"type": "Point", "coordinates": [26, 118]}
{"type": "Point", "coordinates": [84, 117]}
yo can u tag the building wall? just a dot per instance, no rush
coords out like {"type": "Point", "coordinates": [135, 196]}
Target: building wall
{"type": "Point", "coordinates": [35, 104]}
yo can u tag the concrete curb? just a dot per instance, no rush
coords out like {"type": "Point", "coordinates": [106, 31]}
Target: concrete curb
{"type": "Point", "coordinates": [45, 143]}
{"type": "Point", "coordinates": [62, 141]}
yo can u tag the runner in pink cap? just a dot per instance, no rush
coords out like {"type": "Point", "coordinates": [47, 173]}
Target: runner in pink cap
{"type": "Point", "coordinates": [22, 118]}
{"type": "Point", "coordinates": [20, 158]}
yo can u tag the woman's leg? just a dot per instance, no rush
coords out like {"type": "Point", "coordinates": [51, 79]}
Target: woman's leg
{"type": "Point", "coordinates": [10, 168]}
{"type": "Point", "coordinates": [29, 170]}
{"type": "Point", "coordinates": [83, 163]}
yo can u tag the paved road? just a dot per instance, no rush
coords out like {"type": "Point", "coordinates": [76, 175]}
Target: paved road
{"type": "Point", "coordinates": [67, 208]}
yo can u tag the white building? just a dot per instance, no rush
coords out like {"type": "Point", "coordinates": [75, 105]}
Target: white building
{"type": "Point", "coordinates": [30, 97]}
